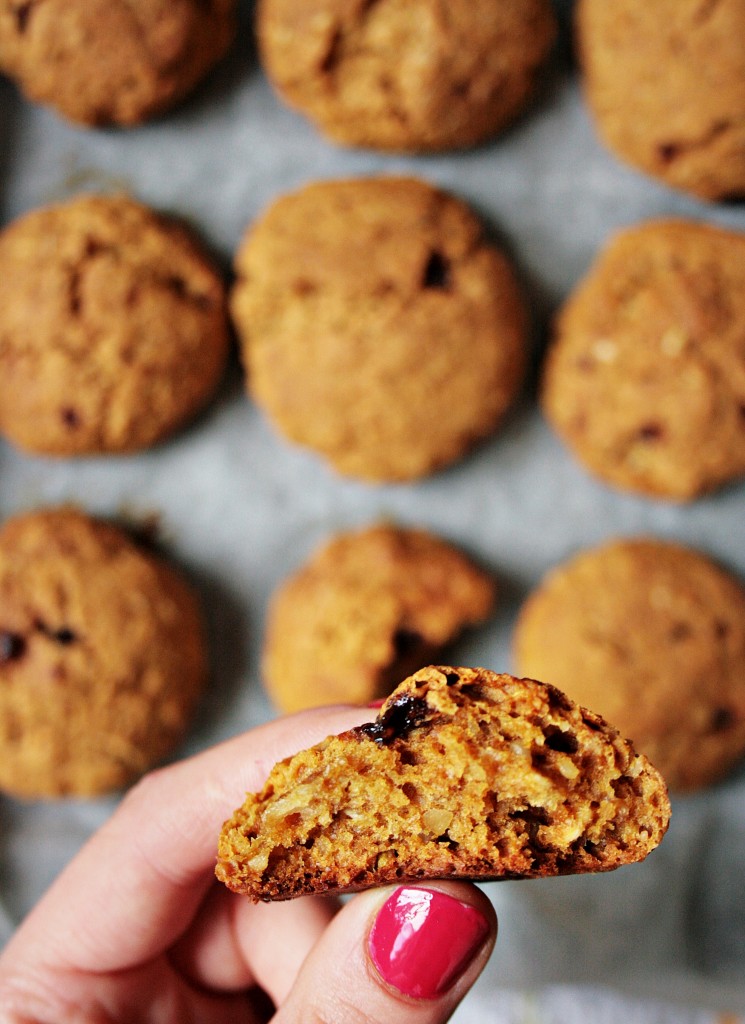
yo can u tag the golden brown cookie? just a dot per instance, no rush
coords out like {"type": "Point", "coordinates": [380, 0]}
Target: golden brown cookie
{"type": "Point", "coordinates": [102, 656]}
{"type": "Point", "coordinates": [652, 636]}
{"type": "Point", "coordinates": [665, 82]}
{"type": "Point", "coordinates": [645, 381]}
{"type": "Point", "coordinates": [367, 609]}
{"type": "Point", "coordinates": [114, 327]}
{"type": "Point", "coordinates": [378, 326]}
{"type": "Point", "coordinates": [406, 75]}
{"type": "Point", "coordinates": [101, 62]}
{"type": "Point", "coordinates": [465, 774]}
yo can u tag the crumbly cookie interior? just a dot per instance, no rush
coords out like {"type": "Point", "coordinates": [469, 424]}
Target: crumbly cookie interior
{"type": "Point", "coordinates": [464, 774]}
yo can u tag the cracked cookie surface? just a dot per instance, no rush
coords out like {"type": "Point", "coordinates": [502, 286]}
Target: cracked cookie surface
{"type": "Point", "coordinates": [102, 656]}
{"type": "Point", "coordinates": [659, 632]}
{"type": "Point", "coordinates": [114, 329]}
{"type": "Point", "coordinates": [665, 82]}
{"type": "Point", "coordinates": [100, 62]}
{"type": "Point", "coordinates": [466, 773]}
{"type": "Point", "coordinates": [378, 326]}
{"type": "Point", "coordinates": [645, 379]}
{"type": "Point", "coordinates": [368, 608]}
{"type": "Point", "coordinates": [406, 75]}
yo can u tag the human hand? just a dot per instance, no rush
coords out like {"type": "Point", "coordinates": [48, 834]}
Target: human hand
{"type": "Point", "coordinates": [137, 929]}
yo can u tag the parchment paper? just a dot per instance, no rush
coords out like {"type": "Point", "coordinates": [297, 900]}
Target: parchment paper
{"type": "Point", "coordinates": [239, 509]}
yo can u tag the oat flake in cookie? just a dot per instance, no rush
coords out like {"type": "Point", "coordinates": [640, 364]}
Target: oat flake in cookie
{"type": "Point", "coordinates": [378, 326]}
{"type": "Point", "coordinates": [368, 608]}
{"type": "Point", "coordinates": [406, 75]}
{"type": "Point", "coordinates": [645, 379]}
{"type": "Point", "coordinates": [665, 81]}
{"type": "Point", "coordinates": [659, 632]}
{"type": "Point", "coordinates": [465, 774]}
{"type": "Point", "coordinates": [114, 328]}
{"type": "Point", "coordinates": [102, 656]}
{"type": "Point", "coordinates": [100, 62]}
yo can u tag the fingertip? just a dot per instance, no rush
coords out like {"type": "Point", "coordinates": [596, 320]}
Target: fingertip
{"type": "Point", "coordinates": [403, 955]}
{"type": "Point", "coordinates": [425, 938]}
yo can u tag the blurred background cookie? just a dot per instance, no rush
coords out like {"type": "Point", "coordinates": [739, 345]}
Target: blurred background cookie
{"type": "Point", "coordinates": [378, 326]}
{"type": "Point", "coordinates": [665, 82]}
{"type": "Point", "coordinates": [650, 635]}
{"type": "Point", "coordinates": [97, 62]}
{"type": "Point", "coordinates": [102, 656]}
{"type": "Point", "coordinates": [113, 328]}
{"type": "Point", "coordinates": [645, 381]}
{"type": "Point", "coordinates": [406, 75]}
{"type": "Point", "coordinates": [367, 609]}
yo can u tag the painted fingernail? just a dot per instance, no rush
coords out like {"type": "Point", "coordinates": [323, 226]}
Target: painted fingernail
{"type": "Point", "coordinates": [377, 703]}
{"type": "Point", "coordinates": [423, 940]}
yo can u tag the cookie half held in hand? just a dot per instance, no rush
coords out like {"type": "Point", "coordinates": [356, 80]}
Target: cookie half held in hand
{"type": "Point", "coordinates": [465, 774]}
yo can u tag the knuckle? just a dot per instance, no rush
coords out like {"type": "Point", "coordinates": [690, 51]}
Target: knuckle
{"type": "Point", "coordinates": [141, 793]}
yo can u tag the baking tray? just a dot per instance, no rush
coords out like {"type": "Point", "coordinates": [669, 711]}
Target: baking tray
{"type": "Point", "coordinates": [239, 508]}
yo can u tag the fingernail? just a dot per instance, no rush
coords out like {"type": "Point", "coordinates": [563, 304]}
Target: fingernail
{"type": "Point", "coordinates": [377, 703]}
{"type": "Point", "coordinates": [423, 940]}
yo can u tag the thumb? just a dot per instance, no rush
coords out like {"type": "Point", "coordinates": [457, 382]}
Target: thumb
{"type": "Point", "coordinates": [405, 955]}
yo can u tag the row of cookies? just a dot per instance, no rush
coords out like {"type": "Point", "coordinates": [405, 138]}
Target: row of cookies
{"type": "Point", "coordinates": [381, 328]}
{"type": "Point", "coordinates": [648, 633]}
{"type": "Point", "coordinates": [103, 656]}
{"type": "Point", "coordinates": [144, 295]}
{"type": "Point", "coordinates": [410, 76]}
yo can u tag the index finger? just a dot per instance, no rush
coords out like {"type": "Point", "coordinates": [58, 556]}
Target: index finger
{"type": "Point", "coordinates": [136, 885]}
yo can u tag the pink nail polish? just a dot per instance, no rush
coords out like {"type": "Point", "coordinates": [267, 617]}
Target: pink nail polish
{"type": "Point", "coordinates": [423, 940]}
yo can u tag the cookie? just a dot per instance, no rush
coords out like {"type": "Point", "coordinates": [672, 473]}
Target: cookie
{"type": "Point", "coordinates": [645, 380]}
{"type": "Point", "coordinates": [114, 329]}
{"type": "Point", "coordinates": [403, 75]}
{"type": "Point", "coordinates": [377, 325]}
{"type": "Point", "coordinates": [102, 656]}
{"type": "Point", "coordinates": [665, 83]}
{"type": "Point", "coordinates": [535, 786]}
{"type": "Point", "coordinates": [367, 609]}
{"type": "Point", "coordinates": [652, 636]}
{"type": "Point", "coordinates": [100, 63]}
